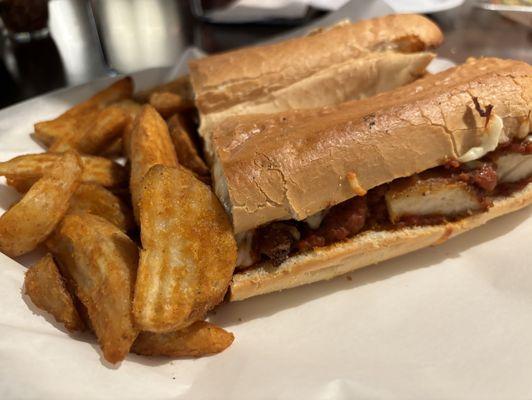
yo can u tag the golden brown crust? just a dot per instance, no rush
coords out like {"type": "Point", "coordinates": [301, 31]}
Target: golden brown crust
{"type": "Point", "coordinates": [294, 164]}
{"type": "Point", "coordinates": [95, 199]}
{"type": "Point", "coordinates": [23, 171]}
{"type": "Point", "coordinates": [50, 131]}
{"type": "Point", "coordinates": [31, 220]}
{"type": "Point", "coordinates": [186, 152]}
{"type": "Point", "coordinates": [196, 340]}
{"type": "Point", "coordinates": [189, 252]}
{"type": "Point", "coordinates": [100, 261]}
{"type": "Point", "coordinates": [226, 79]}
{"type": "Point", "coordinates": [45, 287]}
{"type": "Point", "coordinates": [149, 144]}
{"type": "Point", "coordinates": [365, 249]}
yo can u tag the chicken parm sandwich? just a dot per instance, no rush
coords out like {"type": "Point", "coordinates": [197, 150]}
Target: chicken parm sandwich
{"type": "Point", "coordinates": [315, 193]}
{"type": "Point", "coordinates": [323, 154]}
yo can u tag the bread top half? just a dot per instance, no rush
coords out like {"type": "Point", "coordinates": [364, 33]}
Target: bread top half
{"type": "Point", "coordinates": [223, 80]}
{"type": "Point", "coordinates": [293, 164]}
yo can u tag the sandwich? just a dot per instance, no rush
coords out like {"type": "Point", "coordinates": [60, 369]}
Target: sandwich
{"type": "Point", "coordinates": [344, 62]}
{"type": "Point", "coordinates": [315, 193]}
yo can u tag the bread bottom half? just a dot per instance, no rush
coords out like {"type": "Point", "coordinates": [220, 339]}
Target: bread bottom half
{"type": "Point", "coordinates": [367, 248]}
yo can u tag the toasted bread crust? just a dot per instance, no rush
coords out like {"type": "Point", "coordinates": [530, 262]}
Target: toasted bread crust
{"type": "Point", "coordinates": [226, 79]}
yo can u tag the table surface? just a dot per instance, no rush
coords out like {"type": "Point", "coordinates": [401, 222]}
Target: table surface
{"type": "Point", "coordinates": [72, 54]}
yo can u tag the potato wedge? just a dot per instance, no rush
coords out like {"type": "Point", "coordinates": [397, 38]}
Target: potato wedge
{"type": "Point", "coordinates": [199, 339]}
{"type": "Point", "coordinates": [106, 127]}
{"type": "Point", "coordinates": [49, 131]}
{"type": "Point", "coordinates": [149, 145]}
{"type": "Point", "coordinates": [33, 218]}
{"type": "Point", "coordinates": [31, 167]}
{"type": "Point", "coordinates": [97, 200]}
{"type": "Point", "coordinates": [21, 185]}
{"type": "Point", "coordinates": [180, 86]}
{"type": "Point", "coordinates": [103, 172]}
{"type": "Point", "coordinates": [186, 152]}
{"type": "Point", "coordinates": [46, 289]}
{"type": "Point", "coordinates": [130, 107]}
{"type": "Point", "coordinates": [101, 261]}
{"type": "Point", "coordinates": [116, 147]}
{"type": "Point", "coordinates": [167, 103]}
{"type": "Point", "coordinates": [188, 255]}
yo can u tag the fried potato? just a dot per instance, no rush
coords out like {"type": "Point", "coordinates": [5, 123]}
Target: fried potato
{"type": "Point", "coordinates": [115, 149]}
{"type": "Point", "coordinates": [21, 185]}
{"type": "Point", "coordinates": [130, 107]}
{"type": "Point", "coordinates": [101, 262]}
{"type": "Point", "coordinates": [32, 219]}
{"type": "Point", "coordinates": [126, 138]}
{"type": "Point", "coordinates": [46, 289]}
{"type": "Point", "coordinates": [97, 200]}
{"type": "Point", "coordinates": [119, 146]}
{"type": "Point", "coordinates": [186, 152]}
{"type": "Point", "coordinates": [104, 172]}
{"type": "Point", "coordinates": [49, 131]}
{"type": "Point", "coordinates": [149, 145]}
{"type": "Point", "coordinates": [196, 340]}
{"type": "Point", "coordinates": [167, 103]}
{"type": "Point", "coordinates": [23, 171]}
{"type": "Point", "coordinates": [189, 252]}
{"type": "Point", "coordinates": [107, 126]}
{"type": "Point", "coordinates": [180, 86]}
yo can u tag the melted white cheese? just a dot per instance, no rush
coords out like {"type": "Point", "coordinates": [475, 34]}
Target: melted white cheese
{"type": "Point", "coordinates": [490, 140]}
{"type": "Point", "coordinates": [524, 129]}
{"type": "Point", "coordinates": [314, 220]}
{"type": "Point", "coordinates": [244, 242]}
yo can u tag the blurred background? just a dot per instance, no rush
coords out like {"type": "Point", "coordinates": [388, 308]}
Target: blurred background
{"type": "Point", "coordinates": [49, 44]}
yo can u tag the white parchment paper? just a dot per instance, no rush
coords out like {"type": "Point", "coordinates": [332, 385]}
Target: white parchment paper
{"type": "Point", "coordinates": [447, 322]}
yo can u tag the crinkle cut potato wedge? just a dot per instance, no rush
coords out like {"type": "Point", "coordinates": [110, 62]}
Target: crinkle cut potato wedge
{"type": "Point", "coordinates": [49, 131]}
{"type": "Point", "coordinates": [45, 287]}
{"type": "Point", "coordinates": [199, 339]}
{"type": "Point", "coordinates": [101, 262]}
{"type": "Point", "coordinates": [97, 200]}
{"type": "Point", "coordinates": [33, 218]}
{"type": "Point", "coordinates": [186, 152]}
{"type": "Point", "coordinates": [149, 145]}
{"type": "Point", "coordinates": [108, 125]}
{"type": "Point", "coordinates": [188, 251]}
{"type": "Point", "coordinates": [23, 171]}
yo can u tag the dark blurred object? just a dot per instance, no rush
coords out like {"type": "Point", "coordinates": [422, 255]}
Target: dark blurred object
{"type": "Point", "coordinates": [215, 37]}
{"type": "Point", "coordinates": [25, 19]}
{"type": "Point", "coordinates": [33, 67]}
{"type": "Point", "coordinates": [210, 5]}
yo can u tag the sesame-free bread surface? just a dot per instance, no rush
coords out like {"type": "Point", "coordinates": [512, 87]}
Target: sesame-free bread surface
{"type": "Point", "coordinates": [343, 62]}
{"type": "Point", "coordinates": [291, 165]}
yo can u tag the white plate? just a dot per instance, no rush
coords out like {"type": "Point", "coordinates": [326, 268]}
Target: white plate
{"type": "Point", "coordinates": [423, 6]}
{"type": "Point", "coordinates": [451, 321]}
